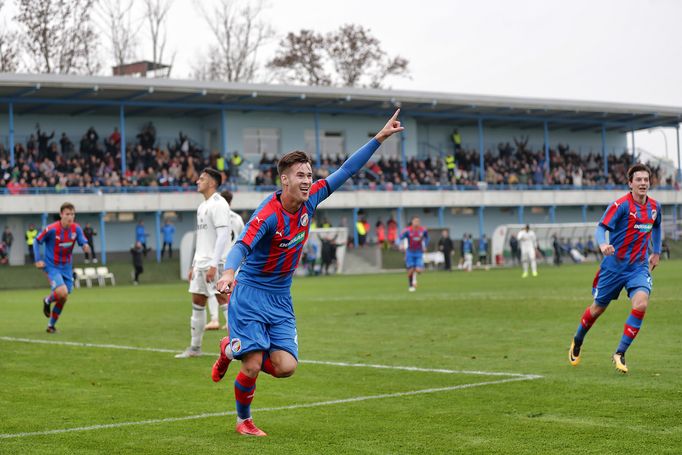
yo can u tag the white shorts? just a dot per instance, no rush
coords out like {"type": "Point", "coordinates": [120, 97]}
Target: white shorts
{"type": "Point", "coordinates": [198, 285]}
{"type": "Point", "coordinates": [527, 255]}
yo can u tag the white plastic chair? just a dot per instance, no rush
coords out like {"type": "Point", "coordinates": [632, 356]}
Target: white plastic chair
{"type": "Point", "coordinates": [80, 276]}
{"type": "Point", "coordinates": [102, 274]}
{"type": "Point", "coordinates": [90, 275]}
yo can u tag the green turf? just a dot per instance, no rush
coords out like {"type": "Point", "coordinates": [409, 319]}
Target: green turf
{"type": "Point", "coordinates": [484, 321]}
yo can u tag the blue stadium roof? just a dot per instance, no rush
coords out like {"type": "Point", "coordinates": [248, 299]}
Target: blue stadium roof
{"type": "Point", "coordinates": [80, 95]}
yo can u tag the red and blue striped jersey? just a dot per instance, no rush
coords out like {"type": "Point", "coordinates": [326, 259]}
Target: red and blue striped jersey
{"type": "Point", "coordinates": [630, 224]}
{"type": "Point", "coordinates": [275, 239]}
{"type": "Point", "coordinates": [59, 242]}
{"type": "Point", "coordinates": [417, 238]}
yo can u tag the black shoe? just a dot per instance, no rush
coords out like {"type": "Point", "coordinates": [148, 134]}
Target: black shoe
{"type": "Point", "coordinates": [46, 307]}
{"type": "Point", "coordinates": [51, 329]}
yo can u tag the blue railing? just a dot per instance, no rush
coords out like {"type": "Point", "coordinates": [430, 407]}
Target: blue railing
{"type": "Point", "coordinates": [347, 187]}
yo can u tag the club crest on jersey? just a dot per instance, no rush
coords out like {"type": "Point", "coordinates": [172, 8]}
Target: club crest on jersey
{"type": "Point", "coordinates": [304, 219]}
{"type": "Point", "coordinates": [236, 345]}
{"type": "Point", "coordinates": [293, 242]}
{"type": "Point", "coordinates": [654, 213]}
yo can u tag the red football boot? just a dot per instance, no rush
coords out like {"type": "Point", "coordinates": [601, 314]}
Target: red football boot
{"type": "Point", "coordinates": [249, 429]}
{"type": "Point", "coordinates": [220, 366]}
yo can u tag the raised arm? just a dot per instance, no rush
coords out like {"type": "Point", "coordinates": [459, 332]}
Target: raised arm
{"type": "Point", "coordinates": [358, 159]}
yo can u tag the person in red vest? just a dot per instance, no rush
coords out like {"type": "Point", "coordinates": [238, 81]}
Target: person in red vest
{"type": "Point", "coordinates": [381, 233]}
{"type": "Point", "coordinates": [392, 231]}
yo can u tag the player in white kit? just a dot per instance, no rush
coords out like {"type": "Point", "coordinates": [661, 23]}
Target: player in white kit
{"type": "Point", "coordinates": [236, 228]}
{"type": "Point", "coordinates": [213, 222]}
{"type": "Point", "coordinates": [528, 243]}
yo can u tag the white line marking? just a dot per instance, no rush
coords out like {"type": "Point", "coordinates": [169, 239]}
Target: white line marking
{"type": "Point", "coordinates": [279, 408]}
{"type": "Point", "coordinates": [312, 362]}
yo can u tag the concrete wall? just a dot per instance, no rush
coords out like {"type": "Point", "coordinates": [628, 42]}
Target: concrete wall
{"type": "Point", "coordinates": [460, 209]}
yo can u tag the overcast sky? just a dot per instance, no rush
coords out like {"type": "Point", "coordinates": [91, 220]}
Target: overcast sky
{"type": "Point", "coordinates": [607, 50]}
{"type": "Point", "coordinates": [626, 51]}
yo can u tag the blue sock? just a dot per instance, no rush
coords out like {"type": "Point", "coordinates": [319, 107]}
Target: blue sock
{"type": "Point", "coordinates": [631, 329]}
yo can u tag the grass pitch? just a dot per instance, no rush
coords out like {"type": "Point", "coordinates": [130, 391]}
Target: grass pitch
{"type": "Point", "coordinates": [83, 397]}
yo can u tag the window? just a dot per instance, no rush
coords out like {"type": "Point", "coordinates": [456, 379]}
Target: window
{"type": "Point", "coordinates": [332, 143]}
{"type": "Point", "coordinates": [260, 140]}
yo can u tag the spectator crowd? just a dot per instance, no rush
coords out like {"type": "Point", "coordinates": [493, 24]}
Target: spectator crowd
{"type": "Point", "coordinates": [43, 161]}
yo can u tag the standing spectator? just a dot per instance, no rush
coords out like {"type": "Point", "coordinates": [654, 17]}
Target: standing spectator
{"type": "Point", "coordinates": [31, 234]}
{"type": "Point", "coordinates": [137, 252]}
{"type": "Point", "coordinates": [381, 233]}
{"type": "Point", "coordinates": [168, 231]}
{"type": "Point", "coordinates": [456, 140]}
{"type": "Point", "coordinates": [392, 227]}
{"type": "Point", "coordinates": [113, 142]}
{"type": "Point", "coordinates": [328, 253]}
{"type": "Point", "coordinates": [529, 244]}
{"type": "Point", "coordinates": [361, 228]}
{"type": "Point", "coordinates": [515, 252]}
{"type": "Point", "coordinates": [483, 251]}
{"type": "Point", "coordinates": [445, 246]}
{"type": "Point", "coordinates": [7, 238]}
{"type": "Point", "coordinates": [43, 139]}
{"type": "Point", "coordinates": [4, 260]}
{"type": "Point", "coordinates": [557, 250]}
{"type": "Point", "coordinates": [65, 144]}
{"type": "Point", "coordinates": [235, 162]}
{"type": "Point", "coordinates": [90, 234]}
{"type": "Point", "coordinates": [467, 253]}
{"type": "Point", "coordinates": [141, 236]}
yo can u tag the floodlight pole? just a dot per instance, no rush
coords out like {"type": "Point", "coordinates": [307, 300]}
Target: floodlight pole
{"type": "Point", "coordinates": [11, 135]}
{"type": "Point", "coordinates": [603, 151]}
{"type": "Point", "coordinates": [122, 127]}
{"type": "Point", "coordinates": [546, 134]}
{"type": "Point", "coordinates": [355, 227]}
{"type": "Point", "coordinates": [318, 151]}
{"type": "Point", "coordinates": [223, 135]}
{"type": "Point", "coordinates": [403, 156]}
{"type": "Point", "coordinates": [481, 221]}
{"type": "Point", "coordinates": [679, 164]}
{"type": "Point", "coordinates": [481, 160]}
{"type": "Point", "coordinates": [103, 236]}
{"type": "Point", "coordinates": [157, 219]}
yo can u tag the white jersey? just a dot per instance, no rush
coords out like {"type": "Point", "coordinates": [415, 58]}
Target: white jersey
{"type": "Point", "coordinates": [213, 213]}
{"type": "Point", "coordinates": [236, 228]}
{"type": "Point", "coordinates": [527, 240]}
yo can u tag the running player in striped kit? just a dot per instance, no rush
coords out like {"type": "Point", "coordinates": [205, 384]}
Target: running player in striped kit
{"type": "Point", "coordinates": [59, 239]}
{"type": "Point", "coordinates": [632, 221]}
{"type": "Point", "coordinates": [262, 324]}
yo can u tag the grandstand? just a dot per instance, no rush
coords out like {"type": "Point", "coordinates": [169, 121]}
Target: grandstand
{"type": "Point", "coordinates": [133, 147]}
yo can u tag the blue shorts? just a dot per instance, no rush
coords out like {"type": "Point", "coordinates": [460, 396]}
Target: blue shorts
{"type": "Point", "coordinates": [59, 277]}
{"type": "Point", "coordinates": [414, 260]}
{"type": "Point", "coordinates": [261, 321]}
{"type": "Point", "coordinates": [608, 283]}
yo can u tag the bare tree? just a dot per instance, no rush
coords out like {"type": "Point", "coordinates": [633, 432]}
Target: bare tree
{"type": "Point", "coordinates": [239, 34]}
{"type": "Point", "coordinates": [116, 19]}
{"type": "Point", "coordinates": [9, 46]}
{"type": "Point", "coordinates": [301, 58]}
{"type": "Point", "coordinates": [58, 36]}
{"type": "Point", "coordinates": [350, 56]}
{"type": "Point", "coordinates": [358, 56]}
{"type": "Point", "coordinates": [157, 14]}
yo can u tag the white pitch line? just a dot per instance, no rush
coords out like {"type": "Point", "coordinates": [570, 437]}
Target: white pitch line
{"type": "Point", "coordinates": [279, 408]}
{"type": "Point", "coordinates": [312, 362]}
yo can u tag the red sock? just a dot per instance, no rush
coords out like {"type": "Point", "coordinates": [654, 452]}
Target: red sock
{"type": "Point", "coordinates": [587, 319]}
{"type": "Point", "coordinates": [244, 390]}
